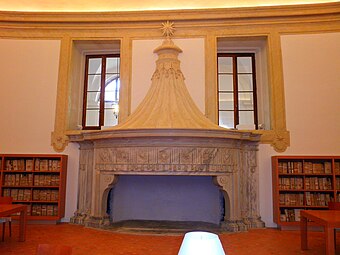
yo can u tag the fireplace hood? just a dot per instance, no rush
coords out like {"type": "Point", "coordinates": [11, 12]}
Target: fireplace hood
{"type": "Point", "coordinates": [167, 109]}
{"type": "Point", "coordinates": [168, 135]}
{"type": "Point", "coordinates": [168, 104]}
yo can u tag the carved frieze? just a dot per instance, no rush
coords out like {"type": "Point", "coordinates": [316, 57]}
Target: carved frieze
{"type": "Point", "coordinates": [201, 160]}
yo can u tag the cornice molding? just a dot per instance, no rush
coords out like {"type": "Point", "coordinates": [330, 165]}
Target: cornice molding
{"type": "Point", "coordinates": [256, 13]}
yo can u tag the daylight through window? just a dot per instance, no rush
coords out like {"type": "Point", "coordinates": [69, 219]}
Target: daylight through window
{"type": "Point", "coordinates": [237, 101]}
{"type": "Point", "coordinates": [101, 91]}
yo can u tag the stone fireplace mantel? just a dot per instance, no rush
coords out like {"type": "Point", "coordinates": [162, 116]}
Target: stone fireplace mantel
{"type": "Point", "coordinates": [228, 156]}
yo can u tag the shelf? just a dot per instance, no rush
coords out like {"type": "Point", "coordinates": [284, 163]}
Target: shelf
{"type": "Point", "coordinates": [37, 180]}
{"type": "Point", "coordinates": [30, 217]}
{"type": "Point", "coordinates": [30, 187]}
{"type": "Point", "coordinates": [306, 190]}
{"type": "Point", "coordinates": [35, 201]}
{"type": "Point", "coordinates": [303, 183]}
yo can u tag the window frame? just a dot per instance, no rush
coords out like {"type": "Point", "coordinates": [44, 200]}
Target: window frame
{"type": "Point", "coordinates": [102, 89]}
{"type": "Point", "coordinates": [236, 110]}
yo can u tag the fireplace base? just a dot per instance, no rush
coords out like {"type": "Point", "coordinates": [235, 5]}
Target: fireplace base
{"type": "Point", "coordinates": [140, 226]}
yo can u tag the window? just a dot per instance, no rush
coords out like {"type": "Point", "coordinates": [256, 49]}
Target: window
{"type": "Point", "coordinates": [237, 100]}
{"type": "Point", "coordinates": [101, 91]}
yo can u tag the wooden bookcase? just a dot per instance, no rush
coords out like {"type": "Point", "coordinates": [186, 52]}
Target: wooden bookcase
{"type": "Point", "coordinates": [37, 180]}
{"type": "Point", "coordinates": [303, 183]}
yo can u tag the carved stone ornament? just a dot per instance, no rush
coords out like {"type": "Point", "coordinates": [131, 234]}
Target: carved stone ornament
{"type": "Point", "coordinates": [281, 140]}
{"type": "Point", "coordinates": [59, 141]}
{"type": "Point", "coordinates": [175, 160]}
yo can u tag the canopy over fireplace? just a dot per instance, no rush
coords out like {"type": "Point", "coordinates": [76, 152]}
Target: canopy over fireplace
{"type": "Point", "coordinates": [168, 135]}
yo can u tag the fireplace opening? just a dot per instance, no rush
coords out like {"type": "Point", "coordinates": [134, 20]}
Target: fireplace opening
{"type": "Point", "coordinates": [166, 199]}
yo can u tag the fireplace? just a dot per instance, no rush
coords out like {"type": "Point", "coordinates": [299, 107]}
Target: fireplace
{"type": "Point", "coordinates": [166, 199]}
{"type": "Point", "coordinates": [167, 135]}
{"type": "Point", "coordinates": [229, 157]}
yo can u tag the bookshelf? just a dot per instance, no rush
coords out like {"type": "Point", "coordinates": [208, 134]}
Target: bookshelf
{"type": "Point", "coordinates": [303, 183]}
{"type": "Point", "coordinates": [37, 180]}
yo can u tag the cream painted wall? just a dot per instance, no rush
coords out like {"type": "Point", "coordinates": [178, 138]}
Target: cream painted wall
{"type": "Point", "coordinates": [311, 65]}
{"type": "Point", "coordinates": [28, 85]}
{"type": "Point", "coordinates": [192, 66]}
{"type": "Point", "coordinates": [312, 87]}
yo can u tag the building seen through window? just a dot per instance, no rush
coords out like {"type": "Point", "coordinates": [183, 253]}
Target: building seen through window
{"type": "Point", "coordinates": [101, 91]}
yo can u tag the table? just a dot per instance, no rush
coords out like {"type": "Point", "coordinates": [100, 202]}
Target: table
{"type": "Point", "coordinates": [329, 219]}
{"type": "Point", "coordinates": [8, 209]}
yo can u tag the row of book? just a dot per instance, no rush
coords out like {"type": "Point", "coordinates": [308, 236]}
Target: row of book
{"type": "Point", "coordinates": [44, 210]}
{"type": "Point", "coordinates": [41, 210]}
{"type": "Point", "coordinates": [290, 183]}
{"type": "Point", "coordinates": [290, 167]}
{"type": "Point", "coordinates": [306, 167]}
{"type": "Point", "coordinates": [317, 168]}
{"type": "Point", "coordinates": [291, 199]}
{"type": "Point", "coordinates": [337, 198]}
{"type": "Point", "coordinates": [297, 199]}
{"type": "Point", "coordinates": [290, 215]}
{"type": "Point", "coordinates": [318, 183]}
{"type": "Point", "coordinates": [311, 183]}
{"type": "Point", "coordinates": [337, 183]}
{"type": "Point", "coordinates": [45, 195]}
{"type": "Point", "coordinates": [29, 180]}
{"type": "Point", "coordinates": [46, 180]}
{"type": "Point", "coordinates": [27, 195]}
{"type": "Point", "coordinates": [18, 194]}
{"type": "Point", "coordinates": [317, 199]}
{"type": "Point", "coordinates": [18, 180]}
{"type": "Point", "coordinates": [337, 167]}
{"type": "Point", "coordinates": [37, 164]}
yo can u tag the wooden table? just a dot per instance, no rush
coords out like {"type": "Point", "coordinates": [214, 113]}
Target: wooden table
{"type": "Point", "coordinates": [8, 209]}
{"type": "Point", "coordinates": [329, 219]}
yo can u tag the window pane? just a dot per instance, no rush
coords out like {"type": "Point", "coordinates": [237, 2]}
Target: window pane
{"type": "Point", "coordinates": [245, 82]}
{"type": "Point", "coordinates": [226, 119]}
{"type": "Point", "coordinates": [245, 101]}
{"type": "Point", "coordinates": [92, 117]}
{"type": "Point", "coordinates": [110, 81]}
{"type": "Point", "coordinates": [112, 88]}
{"type": "Point", "coordinates": [95, 66]}
{"type": "Point", "coordinates": [109, 96]}
{"type": "Point", "coordinates": [93, 82]}
{"type": "Point", "coordinates": [244, 65]}
{"type": "Point", "coordinates": [112, 65]}
{"type": "Point", "coordinates": [225, 82]}
{"type": "Point", "coordinates": [108, 105]}
{"type": "Point", "coordinates": [226, 101]}
{"type": "Point", "coordinates": [93, 99]}
{"type": "Point", "coordinates": [225, 65]}
{"type": "Point", "coordinates": [246, 117]}
{"type": "Point", "coordinates": [110, 117]}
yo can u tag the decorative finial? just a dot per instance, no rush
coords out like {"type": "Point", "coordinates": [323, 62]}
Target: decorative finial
{"type": "Point", "coordinates": [168, 29]}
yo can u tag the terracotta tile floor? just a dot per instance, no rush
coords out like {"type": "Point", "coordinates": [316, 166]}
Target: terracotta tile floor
{"type": "Point", "coordinates": [97, 242]}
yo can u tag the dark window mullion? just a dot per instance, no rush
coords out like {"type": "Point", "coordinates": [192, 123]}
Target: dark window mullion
{"type": "Point", "coordinates": [218, 90]}
{"type": "Point", "coordinates": [102, 92]}
{"type": "Point", "coordinates": [254, 91]}
{"type": "Point", "coordinates": [235, 84]}
{"type": "Point", "coordinates": [85, 91]}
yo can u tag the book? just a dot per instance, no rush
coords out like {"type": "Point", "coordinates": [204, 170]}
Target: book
{"type": "Point", "coordinates": [29, 165]}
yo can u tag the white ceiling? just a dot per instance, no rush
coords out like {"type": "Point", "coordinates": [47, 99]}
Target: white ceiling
{"type": "Point", "coordinates": [138, 5]}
